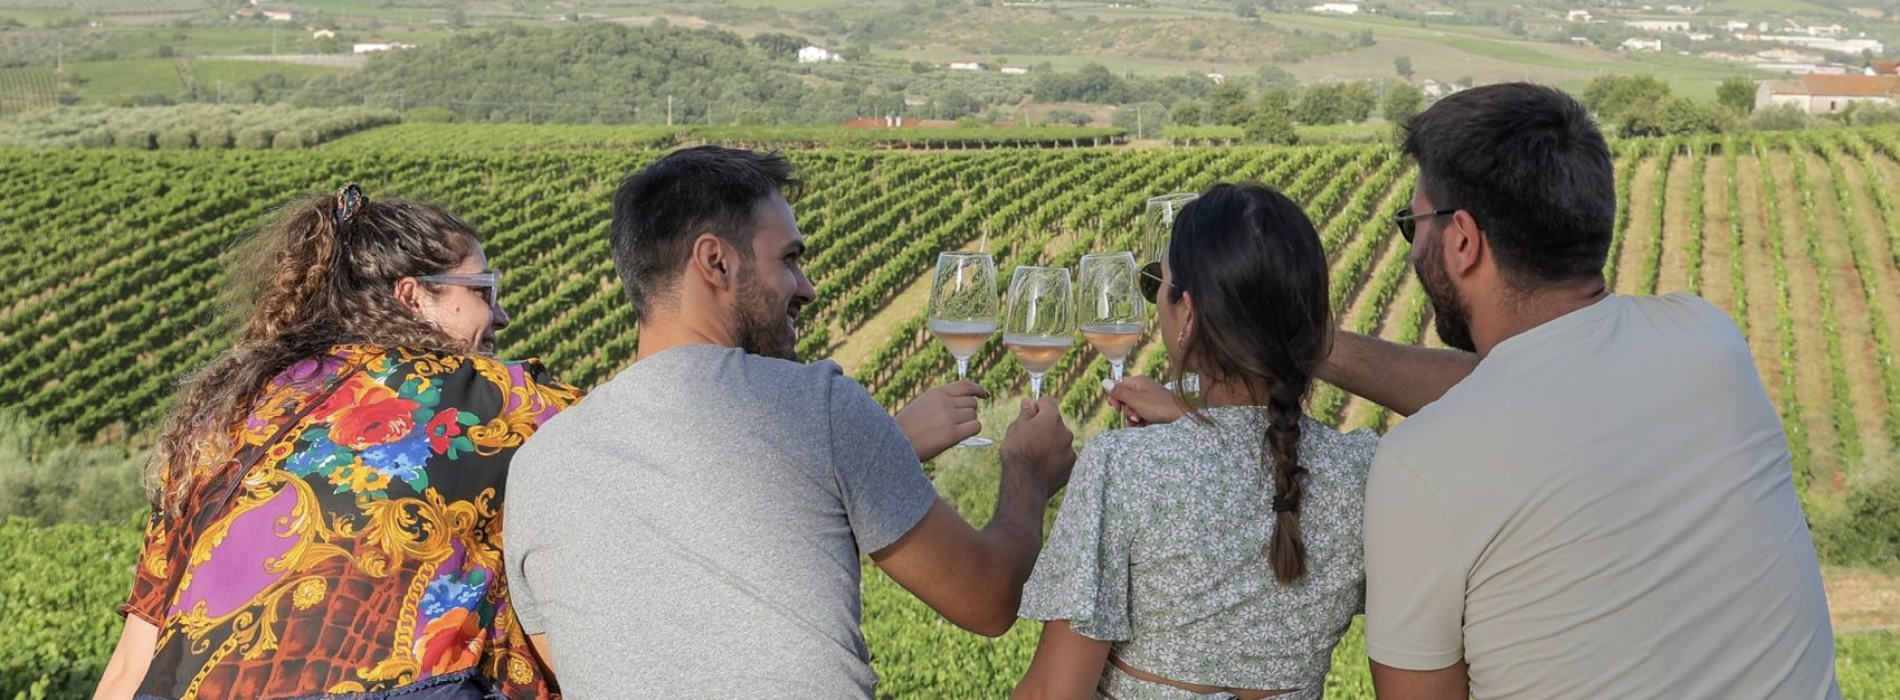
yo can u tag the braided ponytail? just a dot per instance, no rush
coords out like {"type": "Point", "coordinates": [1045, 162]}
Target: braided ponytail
{"type": "Point", "coordinates": [1288, 551]}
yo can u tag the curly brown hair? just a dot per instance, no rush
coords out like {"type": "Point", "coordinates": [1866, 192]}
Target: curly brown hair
{"type": "Point", "coordinates": [302, 285]}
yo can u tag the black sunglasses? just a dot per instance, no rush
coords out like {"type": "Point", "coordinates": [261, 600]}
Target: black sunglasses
{"type": "Point", "coordinates": [1151, 281]}
{"type": "Point", "coordinates": [1408, 221]}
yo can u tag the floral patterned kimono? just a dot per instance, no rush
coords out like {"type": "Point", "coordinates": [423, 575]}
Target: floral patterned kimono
{"type": "Point", "coordinates": [360, 552]}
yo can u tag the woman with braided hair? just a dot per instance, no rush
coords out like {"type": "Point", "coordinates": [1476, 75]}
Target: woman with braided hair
{"type": "Point", "coordinates": [1219, 556]}
{"type": "Point", "coordinates": [328, 490]}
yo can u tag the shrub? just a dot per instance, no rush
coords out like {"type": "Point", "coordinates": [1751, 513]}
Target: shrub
{"type": "Point", "coordinates": [176, 140]}
{"type": "Point", "coordinates": [431, 115]}
{"type": "Point", "coordinates": [1779, 118]}
{"type": "Point", "coordinates": [215, 138]}
{"type": "Point", "coordinates": [255, 139]}
{"type": "Point", "coordinates": [51, 478]}
{"type": "Point", "coordinates": [142, 140]}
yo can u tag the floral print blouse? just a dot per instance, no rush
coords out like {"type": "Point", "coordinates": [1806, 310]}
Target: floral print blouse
{"type": "Point", "coordinates": [1161, 547]}
{"type": "Point", "coordinates": [361, 553]}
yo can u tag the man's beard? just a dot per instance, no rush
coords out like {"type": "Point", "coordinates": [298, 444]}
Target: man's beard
{"type": "Point", "coordinates": [1450, 315]}
{"type": "Point", "coordinates": [764, 329]}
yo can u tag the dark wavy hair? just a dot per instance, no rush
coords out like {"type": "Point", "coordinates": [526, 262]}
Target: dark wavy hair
{"type": "Point", "coordinates": [1252, 262]}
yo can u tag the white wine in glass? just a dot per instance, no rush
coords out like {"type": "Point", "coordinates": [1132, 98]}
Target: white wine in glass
{"type": "Point", "coordinates": [1039, 321]}
{"type": "Point", "coordinates": [963, 311]}
{"type": "Point", "coordinates": [1111, 312]}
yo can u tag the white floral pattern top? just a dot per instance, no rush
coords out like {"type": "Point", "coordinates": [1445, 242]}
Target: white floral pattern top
{"type": "Point", "coordinates": [1161, 547]}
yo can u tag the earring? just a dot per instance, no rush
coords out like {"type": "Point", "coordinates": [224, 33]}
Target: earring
{"type": "Point", "coordinates": [1181, 337]}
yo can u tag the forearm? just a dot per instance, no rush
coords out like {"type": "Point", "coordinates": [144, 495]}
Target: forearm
{"type": "Point", "coordinates": [1403, 378]}
{"type": "Point", "coordinates": [1014, 533]}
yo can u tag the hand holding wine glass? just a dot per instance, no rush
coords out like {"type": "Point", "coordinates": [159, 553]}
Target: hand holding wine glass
{"type": "Point", "coordinates": [1039, 323]}
{"type": "Point", "coordinates": [963, 310]}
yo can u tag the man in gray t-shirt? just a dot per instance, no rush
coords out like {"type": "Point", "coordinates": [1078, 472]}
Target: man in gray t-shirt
{"type": "Point", "coordinates": [694, 527]}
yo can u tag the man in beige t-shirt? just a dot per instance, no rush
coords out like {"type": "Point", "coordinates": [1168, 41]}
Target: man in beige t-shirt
{"type": "Point", "coordinates": [1594, 499]}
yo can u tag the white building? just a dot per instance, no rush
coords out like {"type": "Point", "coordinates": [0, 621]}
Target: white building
{"type": "Point", "coordinates": [1578, 16]}
{"type": "Point", "coordinates": [1682, 10]}
{"type": "Point", "coordinates": [1700, 36]}
{"type": "Point", "coordinates": [1830, 30]}
{"type": "Point", "coordinates": [969, 65]}
{"type": "Point", "coordinates": [1735, 26]}
{"type": "Point", "coordinates": [323, 34]}
{"type": "Point", "coordinates": [1660, 25]}
{"type": "Point", "coordinates": [1338, 8]}
{"type": "Point", "coordinates": [280, 15]}
{"type": "Point", "coordinates": [1218, 78]}
{"type": "Point", "coordinates": [1641, 44]}
{"type": "Point", "coordinates": [1847, 46]}
{"type": "Point", "coordinates": [814, 54]}
{"type": "Point", "coordinates": [1828, 94]}
{"type": "Point", "coordinates": [375, 45]}
{"type": "Point", "coordinates": [1015, 70]}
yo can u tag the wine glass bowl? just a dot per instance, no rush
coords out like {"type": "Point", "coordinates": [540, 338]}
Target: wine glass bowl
{"type": "Point", "coordinates": [1110, 310]}
{"type": "Point", "coordinates": [1039, 320]}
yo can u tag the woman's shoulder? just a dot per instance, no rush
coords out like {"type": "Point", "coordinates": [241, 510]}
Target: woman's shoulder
{"type": "Point", "coordinates": [1325, 449]}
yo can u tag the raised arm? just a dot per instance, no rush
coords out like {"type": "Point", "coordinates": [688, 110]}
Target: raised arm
{"type": "Point", "coordinates": [974, 578]}
{"type": "Point", "coordinates": [1403, 378]}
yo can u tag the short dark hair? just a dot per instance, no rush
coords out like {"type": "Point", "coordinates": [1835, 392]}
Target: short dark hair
{"type": "Point", "coordinates": [661, 209]}
{"type": "Point", "coordinates": [1531, 167]}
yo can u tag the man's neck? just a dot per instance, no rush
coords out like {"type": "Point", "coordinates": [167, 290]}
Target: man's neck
{"type": "Point", "coordinates": [1521, 314]}
{"type": "Point", "coordinates": [665, 332]}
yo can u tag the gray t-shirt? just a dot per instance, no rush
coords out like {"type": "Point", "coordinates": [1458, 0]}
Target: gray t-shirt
{"type": "Point", "coordinates": [693, 528]}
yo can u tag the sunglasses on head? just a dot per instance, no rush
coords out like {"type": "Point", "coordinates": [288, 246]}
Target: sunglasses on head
{"type": "Point", "coordinates": [1407, 221]}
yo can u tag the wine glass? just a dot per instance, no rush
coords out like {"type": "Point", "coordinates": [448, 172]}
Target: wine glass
{"type": "Point", "coordinates": [1039, 323]}
{"type": "Point", "coordinates": [1111, 312]}
{"type": "Point", "coordinates": [963, 311]}
{"type": "Point", "coordinates": [1157, 226]}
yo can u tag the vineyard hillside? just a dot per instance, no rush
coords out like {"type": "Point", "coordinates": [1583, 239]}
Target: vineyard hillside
{"type": "Point", "coordinates": [114, 260]}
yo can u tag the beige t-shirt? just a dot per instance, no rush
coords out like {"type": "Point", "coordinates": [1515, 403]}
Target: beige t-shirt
{"type": "Point", "coordinates": [1603, 509]}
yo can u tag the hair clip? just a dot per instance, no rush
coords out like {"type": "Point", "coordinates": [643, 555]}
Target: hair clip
{"type": "Point", "coordinates": [349, 201]}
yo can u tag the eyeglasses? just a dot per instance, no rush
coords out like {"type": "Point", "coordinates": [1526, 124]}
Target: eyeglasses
{"type": "Point", "coordinates": [1151, 281]}
{"type": "Point", "coordinates": [1408, 221]}
{"type": "Point", "coordinates": [488, 283]}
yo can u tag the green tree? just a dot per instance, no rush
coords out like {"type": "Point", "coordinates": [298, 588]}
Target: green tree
{"type": "Point", "coordinates": [1737, 93]}
{"type": "Point", "coordinates": [1228, 106]}
{"type": "Point", "coordinates": [1321, 104]}
{"type": "Point", "coordinates": [1680, 115]}
{"type": "Point", "coordinates": [1143, 120]}
{"type": "Point", "coordinates": [1403, 65]}
{"type": "Point", "coordinates": [1246, 8]}
{"type": "Point", "coordinates": [1187, 112]}
{"type": "Point", "coordinates": [1272, 121]}
{"type": "Point", "coordinates": [1402, 101]}
{"type": "Point", "coordinates": [1357, 100]}
{"type": "Point", "coordinates": [1610, 95]}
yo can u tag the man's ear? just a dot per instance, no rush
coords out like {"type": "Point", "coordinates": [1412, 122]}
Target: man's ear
{"type": "Point", "coordinates": [714, 261]}
{"type": "Point", "coordinates": [1465, 245]}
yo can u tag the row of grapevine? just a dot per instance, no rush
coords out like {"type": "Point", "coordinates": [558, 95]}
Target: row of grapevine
{"type": "Point", "coordinates": [438, 138]}
{"type": "Point", "coordinates": [119, 253]}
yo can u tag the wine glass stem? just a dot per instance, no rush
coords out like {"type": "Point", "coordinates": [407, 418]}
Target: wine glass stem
{"type": "Point", "coordinates": [1115, 370]}
{"type": "Point", "coordinates": [963, 368]}
{"type": "Point", "coordinates": [1035, 385]}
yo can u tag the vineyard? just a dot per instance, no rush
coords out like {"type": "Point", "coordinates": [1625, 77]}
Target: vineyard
{"type": "Point", "coordinates": [113, 258]}
{"type": "Point", "coordinates": [194, 126]}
